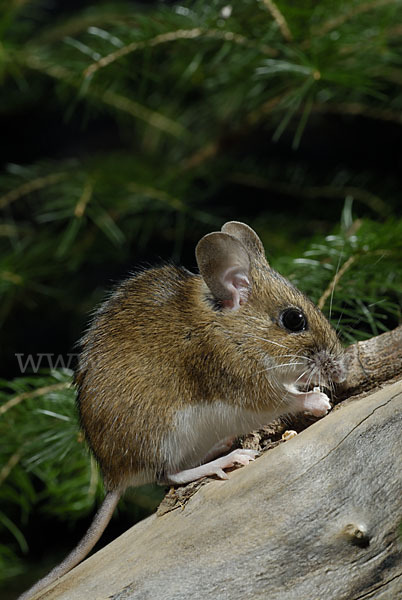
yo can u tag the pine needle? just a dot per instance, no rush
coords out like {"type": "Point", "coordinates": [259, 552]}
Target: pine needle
{"type": "Point", "coordinates": [279, 18]}
{"type": "Point", "coordinates": [29, 187]}
{"type": "Point", "coordinates": [15, 400]}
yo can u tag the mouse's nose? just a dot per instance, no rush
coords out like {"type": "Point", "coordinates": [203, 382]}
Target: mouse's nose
{"type": "Point", "coordinates": [332, 368]}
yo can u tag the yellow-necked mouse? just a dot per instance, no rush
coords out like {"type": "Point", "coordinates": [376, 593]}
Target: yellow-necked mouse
{"type": "Point", "coordinates": [174, 365]}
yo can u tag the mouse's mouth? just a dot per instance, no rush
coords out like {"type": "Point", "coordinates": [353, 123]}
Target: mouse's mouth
{"type": "Point", "coordinates": [309, 383]}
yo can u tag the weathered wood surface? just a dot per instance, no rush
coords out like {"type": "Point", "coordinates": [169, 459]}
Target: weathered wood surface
{"type": "Point", "coordinates": [318, 517]}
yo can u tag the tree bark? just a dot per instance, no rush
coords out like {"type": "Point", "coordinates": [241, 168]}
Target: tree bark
{"type": "Point", "coordinates": [372, 362]}
{"type": "Point", "coordinates": [318, 517]}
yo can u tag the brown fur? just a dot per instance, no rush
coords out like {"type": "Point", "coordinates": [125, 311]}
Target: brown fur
{"type": "Point", "coordinates": [158, 345]}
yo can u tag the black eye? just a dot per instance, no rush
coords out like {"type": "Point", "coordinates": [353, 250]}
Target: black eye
{"type": "Point", "coordinates": [294, 319]}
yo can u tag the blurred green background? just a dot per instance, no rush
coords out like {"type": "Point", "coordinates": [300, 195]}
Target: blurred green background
{"type": "Point", "coordinates": [131, 129]}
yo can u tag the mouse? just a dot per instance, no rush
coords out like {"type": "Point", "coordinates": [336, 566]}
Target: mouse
{"type": "Point", "coordinates": [175, 365]}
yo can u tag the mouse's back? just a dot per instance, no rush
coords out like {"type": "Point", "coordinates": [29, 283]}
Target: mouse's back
{"type": "Point", "coordinates": [125, 372]}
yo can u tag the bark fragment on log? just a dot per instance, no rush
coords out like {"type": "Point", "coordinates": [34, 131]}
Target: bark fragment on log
{"type": "Point", "coordinates": [316, 517]}
{"type": "Point", "coordinates": [372, 362]}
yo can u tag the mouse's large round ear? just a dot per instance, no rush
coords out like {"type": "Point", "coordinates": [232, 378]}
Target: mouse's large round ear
{"type": "Point", "coordinates": [224, 264]}
{"type": "Point", "coordinates": [247, 237]}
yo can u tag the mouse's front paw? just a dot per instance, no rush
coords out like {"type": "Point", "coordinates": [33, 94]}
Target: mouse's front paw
{"type": "Point", "coordinates": [317, 403]}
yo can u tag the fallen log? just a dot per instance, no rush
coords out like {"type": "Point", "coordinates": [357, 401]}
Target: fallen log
{"type": "Point", "coordinates": [317, 517]}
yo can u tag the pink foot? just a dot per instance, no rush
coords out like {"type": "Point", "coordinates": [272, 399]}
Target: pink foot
{"type": "Point", "coordinates": [216, 467]}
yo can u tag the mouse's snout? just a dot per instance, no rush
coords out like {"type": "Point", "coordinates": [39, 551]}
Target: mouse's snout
{"type": "Point", "coordinates": [332, 368]}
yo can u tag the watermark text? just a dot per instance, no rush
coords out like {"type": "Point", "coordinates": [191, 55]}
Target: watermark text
{"type": "Point", "coordinates": [45, 360]}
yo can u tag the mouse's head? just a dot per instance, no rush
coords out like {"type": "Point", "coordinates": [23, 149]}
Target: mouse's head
{"type": "Point", "coordinates": [290, 336]}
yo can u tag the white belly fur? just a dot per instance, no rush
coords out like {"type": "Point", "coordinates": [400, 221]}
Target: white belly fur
{"type": "Point", "coordinates": [198, 428]}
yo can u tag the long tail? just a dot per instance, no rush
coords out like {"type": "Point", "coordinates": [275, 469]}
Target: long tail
{"type": "Point", "coordinates": [97, 527]}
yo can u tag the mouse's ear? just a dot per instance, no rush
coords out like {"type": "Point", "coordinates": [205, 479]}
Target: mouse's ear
{"type": "Point", "coordinates": [224, 264]}
{"type": "Point", "coordinates": [247, 237]}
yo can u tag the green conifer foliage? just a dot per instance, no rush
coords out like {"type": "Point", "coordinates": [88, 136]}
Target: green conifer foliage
{"type": "Point", "coordinates": [174, 117]}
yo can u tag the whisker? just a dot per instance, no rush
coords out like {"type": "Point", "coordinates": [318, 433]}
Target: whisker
{"type": "Point", "coordinates": [300, 376]}
{"type": "Point", "coordinates": [269, 341]}
{"type": "Point", "coordinates": [339, 320]}
{"type": "Point", "coordinates": [279, 366]}
{"type": "Point", "coordinates": [334, 281]}
{"type": "Point", "coordinates": [255, 337]}
{"type": "Point", "coordinates": [313, 372]}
